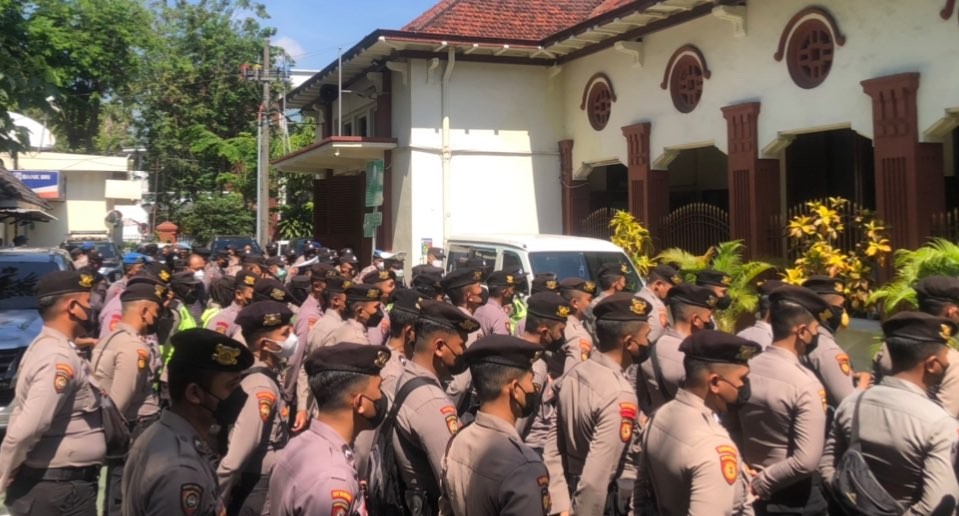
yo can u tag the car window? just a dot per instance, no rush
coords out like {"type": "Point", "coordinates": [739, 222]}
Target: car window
{"type": "Point", "coordinates": [106, 249]}
{"type": "Point", "coordinates": [511, 261]}
{"type": "Point", "coordinates": [580, 264]}
{"type": "Point", "coordinates": [18, 281]}
{"type": "Point", "coordinates": [458, 254]}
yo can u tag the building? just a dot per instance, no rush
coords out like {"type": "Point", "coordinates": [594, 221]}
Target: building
{"type": "Point", "coordinates": [707, 119]}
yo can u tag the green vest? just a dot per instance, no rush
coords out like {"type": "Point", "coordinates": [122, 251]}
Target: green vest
{"type": "Point", "coordinates": [187, 322]}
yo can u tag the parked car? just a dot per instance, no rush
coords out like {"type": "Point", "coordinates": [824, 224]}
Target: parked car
{"type": "Point", "coordinates": [566, 256]}
{"type": "Point", "coordinates": [20, 323]}
{"type": "Point", "coordinates": [104, 246]}
{"type": "Point", "coordinates": [220, 243]}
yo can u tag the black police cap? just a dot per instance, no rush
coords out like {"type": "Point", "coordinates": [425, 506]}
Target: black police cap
{"type": "Point", "coordinates": [275, 260]}
{"type": "Point", "coordinates": [447, 315]}
{"type": "Point", "coordinates": [919, 327]}
{"type": "Point", "coordinates": [348, 258]}
{"type": "Point", "coordinates": [612, 270]}
{"type": "Point", "coordinates": [578, 284]}
{"type": "Point", "coordinates": [263, 316]}
{"type": "Point", "coordinates": [462, 277]}
{"type": "Point", "coordinates": [437, 252]}
{"type": "Point", "coordinates": [666, 273]}
{"type": "Point", "coordinates": [428, 284]}
{"type": "Point", "coordinates": [692, 295]}
{"type": "Point", "coordinates": [720, 347]}
{"type": "Point", "coordinates": [544, 282]}
{"type": "Point", "coordinates": [378, 276]}
{"type": "Point", "coordinates": [426, 269]}
{"type": "Point", "coordinates": [338, 284]}
{"type": "Point", "coordinates": [207, 349]}
{"type": "Point", "coordinates": [323, 271]}
{"type": "Point", "coordinates": [622, 306]}
{"type": "Point", "coordinates": [503, 279]}
{"type": "Point", "coordinates": [184, 278]}
{"type": "Point", "coordinates": [548, 305]}
{"type": "Point", "coordinates": [159, 271]}
{"type": "Point", "coordinates": [711, 277]}
{"type": "Point", "coordinates": [943, 288]}
{"type": "Point", "coordinates": [254, 259]}
{"type": "Point", "coordinates": [358, 293]}
{"type": "Point", "coordinates": [269, 289]}
{"type": "Point", "coordinates": [803, 297]}
{"type": "Point", "coordinates": [144, 292]}
{"type": "Point", "coordinates": [824, 285]}
{"type": "Point", "coordinates": [767, 287]}
{"type": "Point", "coordinates": [59, 283]}
{"type": "Point", "coordinates": [347, 357]}
{"type": "Point", "coordinates": [406, 300]}
{"type": "Point", "coordinates": [245, 278]}
{"type": "Point", "coordinates": [504, 350]}
{"type": "Point", "coordinates": [202, 251]}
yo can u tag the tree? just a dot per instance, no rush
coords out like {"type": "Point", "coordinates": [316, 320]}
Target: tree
{"type": "Point", "coordinates": [217, 214]}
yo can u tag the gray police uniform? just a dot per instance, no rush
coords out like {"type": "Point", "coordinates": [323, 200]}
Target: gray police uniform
{"type": "Point", "coordinates": [225, 322]}
{"type": "Point", "coordinates": [544, 418]}
{"type": "Point", "coordinates": [657, 316]}
{"type": "Point", "coordinates": [315, 474]}
{"type": "Point", "coordinates": [379, 334]}
{"type": "Point", "coordinates": [170, 471]}
{"type": "Point", "coordinates": [908, 442]}
{"type": "Point", "coordinates": [489, 471]}
{"type": "Point", "coordinates": [306, 318]}
{"type": "Point", "coordinates": [54, 443]}
{"type": "Point", "coordinates": [783, 428]}
{"type": "Point", "coordinates": [541, 382]}
{"type": "Point", "coordinates": [579, 343]}
{"type": "Point", "coordinates": [596, 415]}
{"type": "Point", "coordinates": [693, 465]}
{"type": "Point", "coordinates": [350, 331]}
{"type": "Point", "coordinates": [492, 318]}
{"type": "Point", "coordinates": [653, 394]}
{"type": "Point", "coordinates": [761, 333]}
{"type": "Point", "coordinates": [948, 393]}
{"type": "Point", "coordinates": [110, 316]}
{"type": "Point", "coordinates": [831, 364]}
{"type": "Point", "coordinates": [330, 321]}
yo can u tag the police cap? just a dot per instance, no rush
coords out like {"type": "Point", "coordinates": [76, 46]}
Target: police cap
{"type": "Point", "coordinates": [322, 271]}
{"type": "Point", "coordinates": [58, 283]}
{"type": "Point", "coordinates": [447, 315]}
{"type": "Point", "coordinates": [824, 285]}
{"type": "Point", "coordinates": [144, 292]}
{"type": "Point", "coordinates": [185, 278]}
{"type": "Point", "coordinates": [347, 357]}
{"type": "Point", "coordinates": [919, 327]}
{"type": "Point", "coordinates": [428, 284]}
{"type": "Point", "coordinates": [263, 316]}
{"type": "Point", "coordinates": [692, 295]}
{"type": "Point", "coordinates": [504, 279]}
{"type": "Point", "coordinates": [275, 260]}
{"type": "Point", "coordinates": [245, 278]}
{"type": "Point", "coordinates": [666, 273]}
{"type": "Point", "coordinates": [942, 288]}
{"type": "Point", "coordinates": [712, 277]}
{"type": "Point", "coordinates": [720, 347]}
{"type": "Point", "coordinates": [269, 289]}
{"type": "Point", "coordinates": [462, 277]}
{"type": "Point", "coordinates": [504, 350]}
{"type": "Point", "coordinates": [426, 269]}
{"type": "Point", "coordinates": [578, 284]}
{"type": "Point", "coordinates": [767, 287]}
{"type": "Point", "coordinates": [406, 300]}
{"type": "Point", "coordinates": [548, 305]}
{"type": "Point", "coordinates": [378, 276]}
{"type": "Point", "coordinates": [622, 306]}
{"type": "Point", "coordinates": [348, 258]}
{"type": "Point", "coordinates": [613, 269]}
{"type": "Point", "coordinates": [358, 293]}
{"type": "Point", "coordinates": [544, 282]}
{"type": "Point", "coordinates": [254, 259]}
{"type": "Point", "coordinates": [338, 284]}
{"type": "Point", "coordinates": [803, 297]}
{"type": "Point", "coordinates": [134, 258]}
{"type": "Point", "coordinates": [207, 349]}
{"type": "Point", "coordinates": [438, 252]}
{"type": "Point", "coordinates": [159, 271]}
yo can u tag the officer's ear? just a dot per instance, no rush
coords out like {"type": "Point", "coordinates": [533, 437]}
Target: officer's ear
{"type": "Point", "coordinates": [440, 343]}
{"type": "Point", "coordinates": [712, 382]}
{"type": "Point", "coordinates": [952, 312]}
{"type": "Point", "coordinates": [193, 394]}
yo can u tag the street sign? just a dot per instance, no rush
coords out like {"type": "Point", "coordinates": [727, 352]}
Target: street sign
{"type": "Point", "coordinates": [371, 221]}
{"type": "Point", "coordinates": [374, 183]}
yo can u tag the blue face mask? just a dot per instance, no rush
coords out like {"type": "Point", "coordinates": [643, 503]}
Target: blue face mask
{"type": "Point", "coordinates": [281, 274]}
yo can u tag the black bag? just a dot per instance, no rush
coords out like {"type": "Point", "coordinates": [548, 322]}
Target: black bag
{"type": "Point", "coordinates": [116, 430]}
{"type": "Point", "coordinates": [856, 489]}
{"type": "Point", "coordinates": [385, 492]}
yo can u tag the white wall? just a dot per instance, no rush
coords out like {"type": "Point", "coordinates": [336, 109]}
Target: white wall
{"type": "Point", "coordinates": [884, 37]}
{"type": "Point", "coordinates": [84, 209]}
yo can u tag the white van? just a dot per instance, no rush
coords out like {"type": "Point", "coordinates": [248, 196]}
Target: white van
{"type": "Point", "coordinates": [566, 256]}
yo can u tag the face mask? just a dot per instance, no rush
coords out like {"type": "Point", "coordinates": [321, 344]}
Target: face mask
{"type": "Point", "coordinates": [227, 410]}
{"type": "Point", "coordinates": [375, 319]}
{"type": "Point", "coordinates": [835, 320]}
{"type": "Point", "coordinates": [459, 365]}
{"type": "Point", "coordinates": [744, 393]}
{"type": "Point", "coordinates": [723, 303]}
{"type": "Point", "coordinates": [190, 297]}
{"type": "Point", "coordinates": [709, 325]}
{"type": "Point", "coordinates": [641, 355]}
{"type": "Point", "coordinates": [553, 344]}
{"type": "Point", "coordinates": [529, 403]}
{"type": "Point", "coordinates": [382, 406]}
{"type": "Point", "coordinates": [89, 324]}
{"type": "Point", "coordinates": [812, 344]}
{"type": "Point", "coordinates": [287, 347]}
{"type": "Point", "coordinates": [281, 274]}
{"type": "Point", "coordinates": [198, 275]}
{"type": "Point", "coordinates": [437, 263]}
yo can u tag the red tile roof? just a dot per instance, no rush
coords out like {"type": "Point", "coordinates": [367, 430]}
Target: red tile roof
{"type": "Point", "coordinates": [508, 19]}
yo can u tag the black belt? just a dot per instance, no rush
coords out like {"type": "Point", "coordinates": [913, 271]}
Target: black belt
{"type": "Point", "coordinates": [86, 473]}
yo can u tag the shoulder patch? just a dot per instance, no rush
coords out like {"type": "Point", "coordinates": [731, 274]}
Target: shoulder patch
{"type": "Point", "coordinates": [142, 356]}
{"type": "Point", "coordinates": [543, 483]}
{"type": "Point", "coordinates": [452, 422]}
{"type": "Point", "coordinates": [221, 327]}
{"type": "Point", "coordinates": [190, 495]}
{"type": "Point", "coordinates": [342, 501]}
{"type": "Point", "coordinates": [844, 366]}
{"type": "Point", "coordinates": [627, 411]}
{"type": "Point", "coordinates": [114, 321]}
{"type": "Point", "coordinates": [311, 321]}
{"type": "Point", "coordinates": [585, 347]}
{"type": "Point", "coordinates": [447, 410]}
{"type": "Point", "coordinates": [64, 373]}
{"type": "Point", "coordinates": [728, 462]}
{"type": "Point", "coordinates": [824, 398]}
{"type": "Point", "coordinates": [266, 401]}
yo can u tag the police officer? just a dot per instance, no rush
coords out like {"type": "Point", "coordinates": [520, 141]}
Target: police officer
{"type": "Point", "coordinates": [270, 289]}
{"type": "Point", "coordinates": [761, 332]}
{"type": "Point", "coordinates": [464, 287]}
{"type": "Point", "coordinates": [692, 463]}
{"type": "Point", "coordinates": [612, 280]}
{"type": "Point", "coordinates": [362, 312]}
{"type": "Point", "coordinates": [546, 316]}
{"type": "Point", "coordinates": [315, 474]}
{"type": "Point", "coordinates": [385, 282]}
{"type": "Point", "coordinates": [514, 480]}
{"type": "Point", "coordinates": [596, 413]}
{"type": "Point", "coordinates": [429, 284]}
{"type": "Point", "coordinates": [347, 264]}
{"type": "Point", "coordinates": [404, 312]}
{"type": "Point", "coordinates": [492, 316]}
{"type": "Point", "coordinates": [660, 377]}
{"type": "Point", "coordinates": [261, 430]}
{"type": "Point", "coordinates": [427, 418]}
{"type": "Point", "coordinates": [435, 256]}
{"type": "Point", "coordinates": [335, 298]}
{"type": "Point", "coordinates": [541, 282]}
{"type": "Point", "coordinates": [113, 311]}
{"type": "Point", "coordinates": [121, 367]}
{"type": "Point", "coordinates": [170, 468]}
{"type": "Point", "coordinates": [783, 424]}
{"type": "Point", "coordinates": [132, 264]}
{"type": "Point", "coordinates": [579, 343]}
{"type": "Point", "coordinates": [907, 440]}
{"type": "Point", "coordinates": [54, 444]}
{"type": "Point", "coordinates": [225, 321]}
{"type": "Point", "coordinates": [186, 293]}
{"type": "Point", "coordinates": [829, 361]}
{"type": "Point", "coordinates": [719, 283]}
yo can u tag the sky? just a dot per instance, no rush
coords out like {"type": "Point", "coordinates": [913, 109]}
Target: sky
{"type": "Point", "coordinates": [311, 30]}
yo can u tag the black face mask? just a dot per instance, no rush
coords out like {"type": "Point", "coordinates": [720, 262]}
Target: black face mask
{"type": "Point", "coordinates": [813, 344]}
{"type": "Point", "coordinates": [382, 406]}
{"type": "Point", "coordinates": [835, 320]}
{"type": "Point", "coordinates": [529, 403]}
{"type": "Point", "coordinates": [189, 297]}
{"type": "Point", "coordinates": [641, 355]}
{"type": "Point", "coordinates": [709, 325]}
{"type": "Point", "coordinates": [459, 365]}
{"type": "Point", "coordinates": [744, 393]}
{"type": "Point", "coordinates": [228, 409]}
{"type": "Point", "coordinates": [723, 303]}
{"type": "Point", "coordinates": [90, 324]}
{"type": "Point", "coordinates": [375, 319]}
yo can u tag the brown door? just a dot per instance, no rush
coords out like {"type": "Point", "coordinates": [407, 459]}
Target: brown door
{"type": "Point", "coordinates": [338, 212]}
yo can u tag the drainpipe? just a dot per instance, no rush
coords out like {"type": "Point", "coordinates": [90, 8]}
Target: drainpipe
{"type": "Point", "coordinates": [447, 153]}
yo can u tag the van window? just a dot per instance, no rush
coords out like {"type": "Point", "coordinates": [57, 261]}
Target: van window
{"type": "Point", "coordinates": [581, 264]}
{"type": "Point", "coordinates": [459, 254]}
{"type": "Point", "coordinates": [511, 261]}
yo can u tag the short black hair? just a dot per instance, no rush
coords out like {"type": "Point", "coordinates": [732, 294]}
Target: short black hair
{"type": "Point", "coordinates": [182, 374]}
{"type": "Point", "coordinates": [695, 367]}
{"type": "Point", "coordinates": [425, 330]}
{"type": "Point", "coordinates": [764, 303]}
{"type": "Point", "coordinates": [786, 315]}
{"type": "Point", "coordinates": [328, 295]}
{"type": "Point", "coordinates": [934, 306]}
{"type": "Point", "coordinates": [45, 304]}
{"type": "Point", "coordinates": [533, 323]}
{"type": "Point", "coordinates": [606, 282]}
{"type": "Point", "coordinates": [681, 311]}
{"type": "Point", "coordinates": [497, 291]}
{"type": "Point", "coordinates": [351, 309]}
{"type": "Point", "coordinates": [489, 379]}
{"type": "Point", "coordinates": [608, 332]}
{"type": "Point", "coordinates": [907, 353]}
{"type": "Point", "coordinates": [570, 294]}
{"type": "Point", "coordinates": [328, 388]}
{"type": "Point", "coordinates": [399, 319]}
{"type": "Point", "coordinates": [457, 295]}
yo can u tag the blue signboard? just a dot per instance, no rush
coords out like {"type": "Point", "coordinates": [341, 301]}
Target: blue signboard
{"type": "Point", "coordinates": [45, 183]}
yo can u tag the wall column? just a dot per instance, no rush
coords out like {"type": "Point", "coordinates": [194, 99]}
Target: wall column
{"type": "Point", "coordinates": [383, 128]}
{"type": "Point", "coordinates": [754, 195]}
{"type": "Point", "coordinates": [648, 188]}
{"type": "Point", "coordinates": [575, 193]}
{"type": "Point", "coordinates": [909, 183]}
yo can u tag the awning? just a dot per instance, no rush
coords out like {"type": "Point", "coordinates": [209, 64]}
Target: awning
{"type": "Point", "coordinates": [21, 214]}
{"type": "Point", "coordinates": [336, 153]}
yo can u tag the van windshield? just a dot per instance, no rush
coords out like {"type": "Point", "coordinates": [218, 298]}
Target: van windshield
{"type": "Point", "coordinates": [582, 264]}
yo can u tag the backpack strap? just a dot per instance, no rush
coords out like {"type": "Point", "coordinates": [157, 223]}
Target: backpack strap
{"type": "Point", "coordinates": [854, 443]}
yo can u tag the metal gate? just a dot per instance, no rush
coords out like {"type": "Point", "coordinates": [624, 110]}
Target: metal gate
{"type": "Point", "coordinates": [694, 228]}
{"type": "Point", "coordinates": [596, 224]}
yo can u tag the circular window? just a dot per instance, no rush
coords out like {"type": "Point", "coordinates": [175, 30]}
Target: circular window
{"type": "Point", "coordinates": [599, 104]}
{"type": "Point", "coordinates": [686, 83]}
{"type": "Point", "coordinates": [810, 53]}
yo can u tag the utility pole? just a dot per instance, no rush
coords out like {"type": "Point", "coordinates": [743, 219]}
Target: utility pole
{"type": "Point", "coordinates": [263, 170]}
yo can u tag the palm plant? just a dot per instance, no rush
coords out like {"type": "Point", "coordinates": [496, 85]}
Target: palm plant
{"type": "Point", "coordinates": [633, 238]}
{"type": "Point", "coordinates": [938, 257]}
